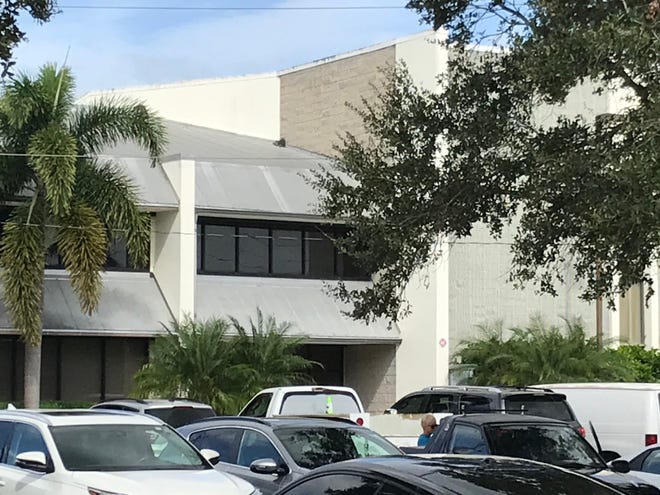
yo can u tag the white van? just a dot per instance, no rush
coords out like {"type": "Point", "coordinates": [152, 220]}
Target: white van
{"type": "Point", "coordinates": [626, 416]}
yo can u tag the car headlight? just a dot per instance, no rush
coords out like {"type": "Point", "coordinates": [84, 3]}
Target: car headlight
{"type": "Point", "coordinates": [96, 491]}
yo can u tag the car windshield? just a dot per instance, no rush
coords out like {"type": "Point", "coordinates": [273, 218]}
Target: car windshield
{"type": "Point", "coordinates": [545, 406]}
{"type": "Point", "coordinates": [318, 403]}
{"type": "Point", "coordinates": [124, 448]}
{"type": "Point", "coordinates": [314, 447]}
{"type": "Point", "coordinates": [559, 445]}
{"type": "Point", "coordinates": [180, 415]}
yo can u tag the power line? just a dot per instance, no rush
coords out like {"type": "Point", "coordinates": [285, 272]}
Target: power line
{"type": "Point", "coordinates": [201, 8]}
{"type": "Point", "coordinates": [196, 158]}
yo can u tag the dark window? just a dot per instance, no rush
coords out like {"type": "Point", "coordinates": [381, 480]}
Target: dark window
{"type": "Point", "coordinates": [652, 462]}
{"type": "Point", "coordinates": [117, 257]}
{"type": "Point", "coordinates": [225, 441]}
{"type": "Point", "coordinates": [339, 484]}
{"type": "Point", "coordinates": [474, 403]}
{"type": "Point", "coordinates": [219, 248]}
{"type": "Point", "coordinates": [319, 255]}
{"type": "Point", "coordinates": [414, 404]}
{"type": "Point", "coordinates": [546, 406]}
{"type": "Point", "coordinates": [179, 416]}
{"type": "Point", "coordinates": [467, 440]}
{"type": "Point", "coordinates": [256, 445]}
{"type": "Point", "coordinates": [258, 407]}
{"type": "Point", "coordinates": [253, 250]}
{"type": "Point", "coordinates": [5, 434]}
{"type": "Point", "coordinates": [26, 438]}
{"type": "Point", "coordinates": [441, 403]}
{"type": "Point", "coordinates": [287, 252]}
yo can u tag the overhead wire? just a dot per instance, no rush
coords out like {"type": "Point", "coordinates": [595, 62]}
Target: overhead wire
{"type": "Point", "coordinates": [193, 8]}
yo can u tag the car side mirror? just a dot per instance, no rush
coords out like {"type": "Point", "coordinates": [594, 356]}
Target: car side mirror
{"type": "Point", "coordinates": [609, 455]}
{"type": "Point", "coordinates": [210, 455]}
{"type": "Point", "coordinates": [390, 411]}
{"type": "Point", "coordinates": [34, 461]}
{"type": "Point", "coordinates": [268, 466]}
{"type": "Point", "coordinates": [620, 466]}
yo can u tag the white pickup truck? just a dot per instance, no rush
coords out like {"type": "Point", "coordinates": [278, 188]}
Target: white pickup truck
{"type": "Point", "coordinates": [400, 429]}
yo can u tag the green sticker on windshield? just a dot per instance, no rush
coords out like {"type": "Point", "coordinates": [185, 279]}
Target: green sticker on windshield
{"type": "Point", "coordinates": [328, 405]}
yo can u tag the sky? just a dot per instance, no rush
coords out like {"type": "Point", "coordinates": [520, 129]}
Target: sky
{"type": "Point", "coordinates": [118, 48]}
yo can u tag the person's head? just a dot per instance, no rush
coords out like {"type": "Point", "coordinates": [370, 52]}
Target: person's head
{"type": "Point", "coordinates": [428, 424]}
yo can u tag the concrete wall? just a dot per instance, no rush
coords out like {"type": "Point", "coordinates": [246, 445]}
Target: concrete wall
{"type": "Point", "coordinates": [243, 105]}
{"type": "Point", "coordinates": [371, 371]}
{"type": "Point", "coordinates": [313, 99]}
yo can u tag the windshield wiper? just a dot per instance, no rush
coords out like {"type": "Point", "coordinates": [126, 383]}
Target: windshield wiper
{"type": "Point", "coordinates": [580, 465]}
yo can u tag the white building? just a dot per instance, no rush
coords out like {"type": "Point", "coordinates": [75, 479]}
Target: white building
{"type": "Point", "coordinates": [234, 227]}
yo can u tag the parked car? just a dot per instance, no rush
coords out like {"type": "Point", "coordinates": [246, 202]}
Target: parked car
{"type": "Point", "coordinates": [534, 438]}
{"type": "Point", "coordinates": [272, 452]}
{"type": "Point", "coordinates": [626, 416]}
{"type": "Point", "coordinates": [646, 464]}
{"type": "Point", "coordinates": [307, 400]}
{"type": "Point", "coordinates": [458, 399]}
{"type": "Point", "coordinates": [442, 476]}
{"type": "Point", "coordinates": [175, 412]}
{"type": "Point", "coordinates": [86, 452]}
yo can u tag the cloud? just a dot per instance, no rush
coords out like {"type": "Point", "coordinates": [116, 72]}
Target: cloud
{"type": "Point", "coordinates": [110, 49]}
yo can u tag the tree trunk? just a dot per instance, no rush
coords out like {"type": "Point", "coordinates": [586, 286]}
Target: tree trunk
{"type": "Point", "coordinates": [32, 373]}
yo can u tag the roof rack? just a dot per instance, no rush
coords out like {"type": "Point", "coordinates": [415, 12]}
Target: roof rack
{"type": "Point", "coordinates": [252, 419]}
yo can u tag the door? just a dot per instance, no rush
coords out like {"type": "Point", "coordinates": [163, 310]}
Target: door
{"type": "Point", "coordinates": [255, 445]}
{"type": "Point", "coordinates": [25, 438]}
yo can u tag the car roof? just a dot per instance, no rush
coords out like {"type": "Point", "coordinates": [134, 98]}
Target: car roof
{"type": "Point", "coordinates": [77, 417]}
{"type": "Point", "coordinates": [458, 469]}
{"type": "Point", "coordinates": [154, 403]}
{"type": "Point", "coordinates": [499, 418]}
{"type": "Point", "coordinates": [508, 390]}
{"type": "Point", "coordinates": [275, 423]}
{"type": "Point", "coordinates": [308, 388]}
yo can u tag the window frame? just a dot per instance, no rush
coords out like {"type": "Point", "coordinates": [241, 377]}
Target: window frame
{"type": "Point", "coordinates": [271, 225]}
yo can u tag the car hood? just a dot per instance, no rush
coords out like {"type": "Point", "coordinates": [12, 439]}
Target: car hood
{"type": "Point", "coordinates": [626, 483]}
{"type": "Point", "coordinates": [203, 482]}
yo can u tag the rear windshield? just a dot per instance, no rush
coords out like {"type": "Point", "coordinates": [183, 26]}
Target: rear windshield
{"type": "Point", "coordinates": [318, 403]}
{"type": "Point", "coordinates": [546, 406]}
{"type": "Point", "coordinates": [180, 415]}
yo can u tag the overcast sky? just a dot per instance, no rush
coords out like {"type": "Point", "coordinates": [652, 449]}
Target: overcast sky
{"type": "Point", "coordinates": [117, 48]}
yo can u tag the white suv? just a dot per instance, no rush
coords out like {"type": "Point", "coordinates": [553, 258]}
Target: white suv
{"type": "Point", "coordinates": [103, 453]}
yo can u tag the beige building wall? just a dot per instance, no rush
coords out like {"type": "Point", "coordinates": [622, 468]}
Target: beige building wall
{"type": "Point", "coordinates": [371, 371]}
{"type": "Point", "coordinates": [313, 111]}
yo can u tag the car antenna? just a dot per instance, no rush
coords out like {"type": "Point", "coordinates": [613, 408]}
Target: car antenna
{"type": "Point", "coordinates": [593, 432]}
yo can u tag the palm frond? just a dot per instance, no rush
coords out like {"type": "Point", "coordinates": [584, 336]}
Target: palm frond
{"type": "Point", "coordinates": [82, 242]}
{"type": "Point", "coordinates": [22, 257]}
{"type": "Point", "coordinates": [112, 194]}
{"type": "Point", "coordinates": [57, 87]}
{"type": "Point", "coordinates": [19, 100]}
{"type": "Point", "coordinates": [104, 123]}
{"type": "Point", "coordinates": [53, 151]}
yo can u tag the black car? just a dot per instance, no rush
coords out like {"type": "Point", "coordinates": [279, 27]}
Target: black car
{"type": "Point", "coordinates": [473, 399]}
{"type": "Point", "coordinates": [534, 438]}
{"type": "Point", "coordinates": [272, 452]}
{"type": "Point", "coordinates": [450, 475]}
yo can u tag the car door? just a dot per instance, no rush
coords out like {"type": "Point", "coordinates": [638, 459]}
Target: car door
{"type": "Point", "coordinates": [26, 438]}
{"type": "Point", "coordinates": [467, 440]}
{"type": "Point", "coordinates": [254, 446]}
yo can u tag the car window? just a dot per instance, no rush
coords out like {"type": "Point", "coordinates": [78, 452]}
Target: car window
{"type": "Point", "coordinates": [339, 484]}
{"type": "Point", "coordinates": [225, 441]}
{"type": "Point", "coordinates": [6, 428]}
{"type": "Point", "coordinates": [255, 445]}
{"type": "Point", "coordinates": [26, 438]}
{"type": "Point", "coordinates": [467, 439]}
{"type": "Point", "coordinates": [557, 444]}
{"type": "Point", "coordinates": [125, 447]}
{"type": "Point", "coordinates": [546, 406]}
{"type": "Point", "coordinates": [314, 447]}
{"type": "Point", "coordinates": [474, 404]}
{"type": "Point", "coordinates": [180, 415]}
{"type": "Point", "coordinates": [318, 403]}
{"type": "Point", "coordinates": [652, 462]}
{"type": "Point", "coordinates": [413, 404]}
{"type": "Point", "coordinates": [441, 403]}
{"type": "Point", "coordinates": [258, 407]}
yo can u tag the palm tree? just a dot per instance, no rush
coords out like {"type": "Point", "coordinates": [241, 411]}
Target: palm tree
{"type": "Point", "coordinates": [267, 356]}
{"type": "Point", "coordinates": [63, 196]}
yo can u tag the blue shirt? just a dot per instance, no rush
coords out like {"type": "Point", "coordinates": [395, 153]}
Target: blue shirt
{"type": "Point", "coordinates": [423, 440]}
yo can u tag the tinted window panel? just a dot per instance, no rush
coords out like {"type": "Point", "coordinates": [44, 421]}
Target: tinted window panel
{"type": "Point", "coordinates": [26, 438]}
{"type": "Point", "coordinates": [179, 416]}
{"type": "Point", "coordinates": [225, 441]}
{"type": "Point", "coordinates": [415, 404]}
{"type": "Point", "coordinates": [287, 252]}
{"type": "Point", "coordinates": [546, 406]}
{"type": "Point", "coordinates": [319, 255]}
{"type": "Point", "coordinates": [441, 403]}
{"type": "Point", "coordinates": [255, 446]}
{"type": "Point", "coordinates": [253, 250]}
{"type": "Point", "coordinates": [348, 268]}
{"type": "Point", "coordinates": [258, 407]}
{"type": "Point", "coordinates": [5, 432]}
{"type": "Point", "coordinates": [652, 462]}
{"type": "Point", "coordinates": [219, 249]}
{"type": "Point", "coordinates": [467, 440]}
